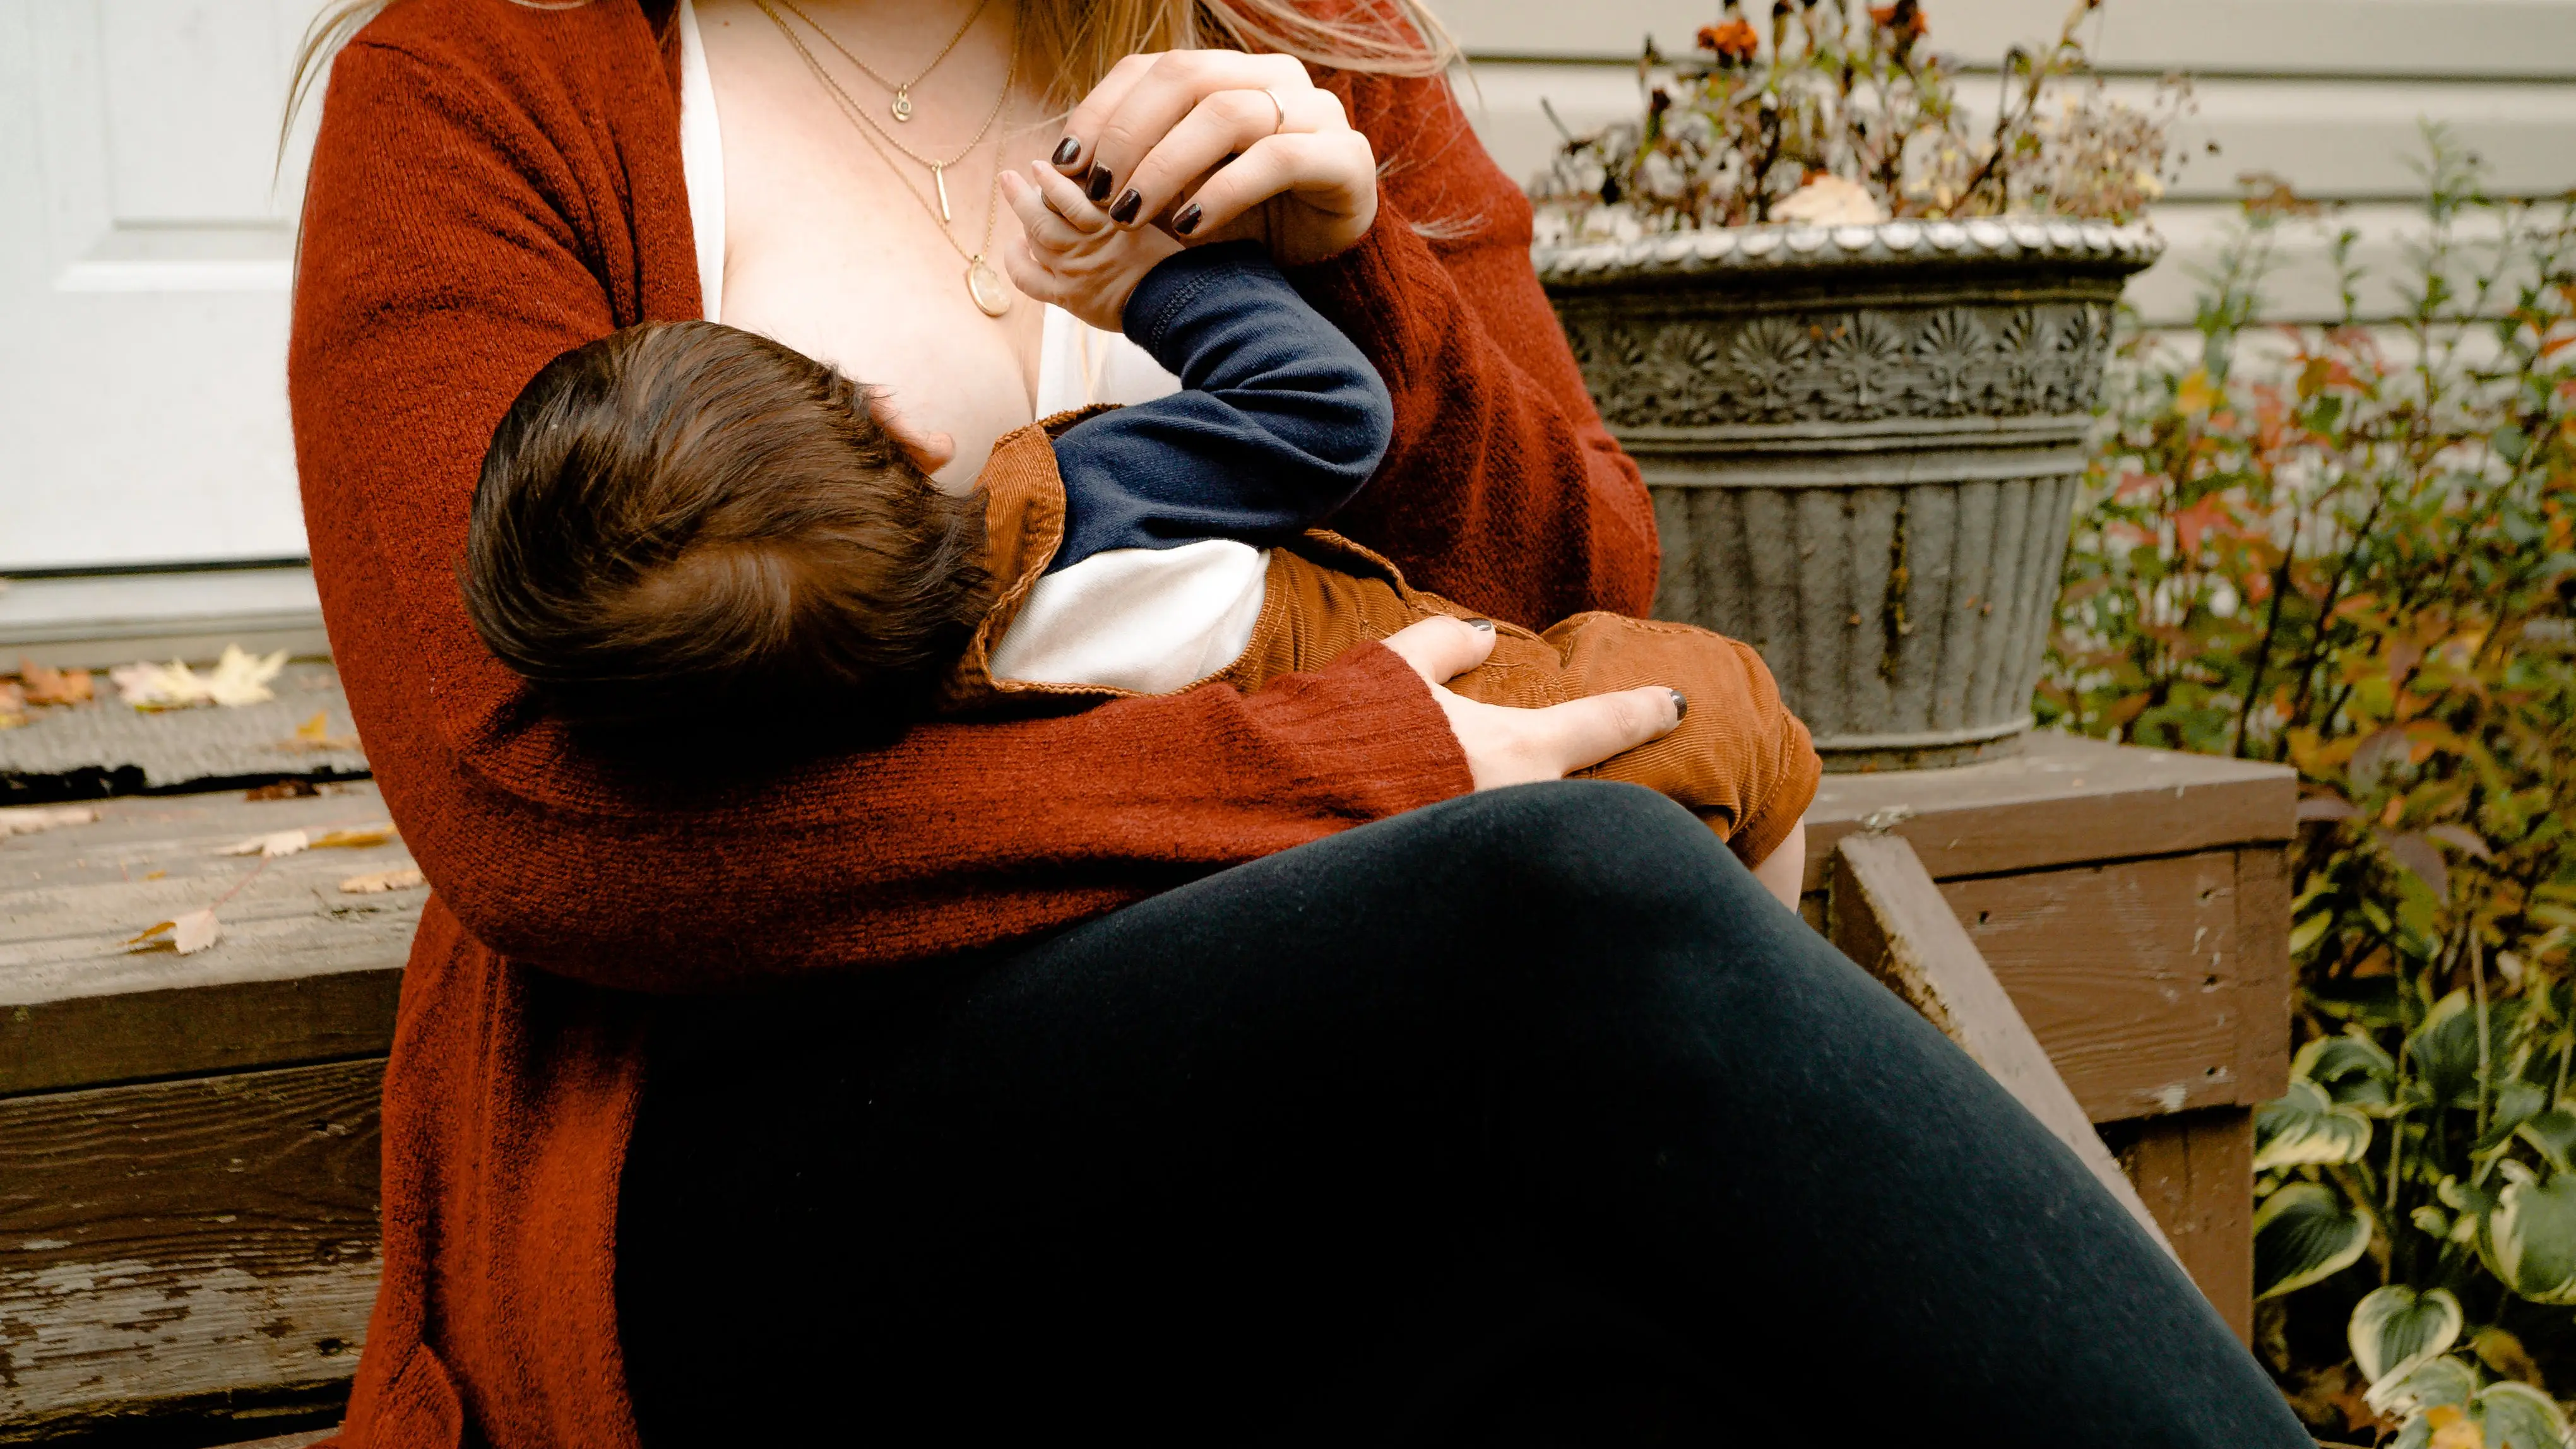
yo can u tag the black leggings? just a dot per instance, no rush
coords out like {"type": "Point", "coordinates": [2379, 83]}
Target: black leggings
{"type": "Point", "coordinates": [1528, 1118]}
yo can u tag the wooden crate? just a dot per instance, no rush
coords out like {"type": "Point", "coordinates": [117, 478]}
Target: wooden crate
{"type": "Point", "coordinates": [2135, 904]}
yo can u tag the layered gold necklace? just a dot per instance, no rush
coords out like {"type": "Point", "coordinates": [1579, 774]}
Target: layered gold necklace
{"type": "Point", "coordinates": [901, 104]}
{"type": "Point", "coordinates": [983, 285]}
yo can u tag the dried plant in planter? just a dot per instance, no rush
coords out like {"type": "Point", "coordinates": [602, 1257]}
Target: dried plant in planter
{"type": "Point", "coordinates": [1841, 115]}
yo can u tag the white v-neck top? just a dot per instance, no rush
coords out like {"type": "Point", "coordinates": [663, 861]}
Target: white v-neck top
{"type": "Point", "coordinates": [1078, 364]}
{"type": "Point", "coordinates": [1152, 620]}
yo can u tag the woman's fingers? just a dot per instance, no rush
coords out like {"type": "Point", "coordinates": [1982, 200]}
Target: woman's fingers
{"type": "Point", "coordinates": [1507, 746]}
{"type": "Point", "coordinates": [1334, 172]}
{"type": "Point", "coordinates": [1144, 97]}
{"type": "Point", "coordinates": [1441, 648]}
{"type": "Point", "coordinates": [1222, 125]}
{"type": "Point", "coordinates": [1073, 154]}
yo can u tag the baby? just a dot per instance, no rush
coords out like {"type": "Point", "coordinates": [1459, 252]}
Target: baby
{"type": "Point", "coordinates": [686, 519]}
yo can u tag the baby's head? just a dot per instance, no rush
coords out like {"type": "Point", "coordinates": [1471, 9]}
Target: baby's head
{"type": "Point", "coordinates": [685, 520]}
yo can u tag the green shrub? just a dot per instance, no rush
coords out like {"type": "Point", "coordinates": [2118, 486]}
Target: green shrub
{"type": "Point", "coordinates": [2352, 549]}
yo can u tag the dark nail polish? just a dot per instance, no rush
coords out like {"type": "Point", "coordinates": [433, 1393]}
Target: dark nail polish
{"type": "Point", "coordinates": [1681, 704]}
{"type": "Point", "coordinates": [1067, 151]}
{"type": "Point", "coordinates": [1188, 220]}
{"type": "Point", "coordinates": [1097, 184]}
{"type": "Point", "coordinates": [1124, 210]}
{"type": "Point", "coordinates": [1481, 626]}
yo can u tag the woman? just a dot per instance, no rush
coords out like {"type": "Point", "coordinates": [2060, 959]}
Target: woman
{"type": "Point", "coordinates": [1211, 1068]}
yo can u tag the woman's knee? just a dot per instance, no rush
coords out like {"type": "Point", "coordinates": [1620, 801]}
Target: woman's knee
{"type": "Point", "coordinates": [1596, 851]}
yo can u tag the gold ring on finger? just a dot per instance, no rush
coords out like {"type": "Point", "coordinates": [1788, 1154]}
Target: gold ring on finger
{"type": "Point", "coordinates": [1278, 105]}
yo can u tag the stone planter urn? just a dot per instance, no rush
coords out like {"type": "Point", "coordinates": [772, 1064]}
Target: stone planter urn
{"type": "Point", "coordinates": [1863, 444]}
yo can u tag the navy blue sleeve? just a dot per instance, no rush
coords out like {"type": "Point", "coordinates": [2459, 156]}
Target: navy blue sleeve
{"type": "Point", "coordinates": [1280, 420]}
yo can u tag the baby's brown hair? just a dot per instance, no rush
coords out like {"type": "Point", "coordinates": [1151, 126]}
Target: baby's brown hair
{"type": "Point", "coordinates": [683, 520]}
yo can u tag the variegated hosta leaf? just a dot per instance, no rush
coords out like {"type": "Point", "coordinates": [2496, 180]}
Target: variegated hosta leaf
{"type": "Point", "coordinates": [2436, 1383]}
{"type": "Point", "coordinates": [2452, 1410]}
{"type": "Point", "coordinates": [2518, 1416]}
{"type": "Point", "coordinates": [2301, 1127]}
{"type": "Point", "coordinates": [2396, 1330]}
{"type": "Point", "coordinates": [2303, 1233]}
{"type": "Point", "coordinates": [2353, 1071]}
{"type": "Point", "coordinates": [2512, 1104]}
{"type": "Point", "coordinates": [2552, 1134]}
{"type": "Point", "coordinates": [2530, 1237]}
{"type": "Point", "coordinates": [2445, 1049]}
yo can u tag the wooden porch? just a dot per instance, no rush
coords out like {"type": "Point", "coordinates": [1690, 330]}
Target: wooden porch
{"type": "Point", "coordinates": [188, 1234]}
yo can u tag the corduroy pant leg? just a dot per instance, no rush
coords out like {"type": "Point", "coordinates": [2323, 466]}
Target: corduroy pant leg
{"type": "Point", "coordinates": [1528, 1118]}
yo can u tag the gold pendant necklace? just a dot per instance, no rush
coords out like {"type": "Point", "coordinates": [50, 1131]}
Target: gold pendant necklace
{"type": "Point", "coordinates": [901, 105]}
{"type": "Point", "coordinates": [858, 114]}
{"type": "Point", "coordinates": [984, 286]}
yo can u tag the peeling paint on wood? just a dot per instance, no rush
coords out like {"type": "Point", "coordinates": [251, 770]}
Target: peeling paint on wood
{"type": "Point", "coordinates": [181, 1241]}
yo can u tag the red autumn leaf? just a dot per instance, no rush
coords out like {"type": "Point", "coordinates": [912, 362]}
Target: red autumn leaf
{"type": "Point", "coordinates": [2196, 522]}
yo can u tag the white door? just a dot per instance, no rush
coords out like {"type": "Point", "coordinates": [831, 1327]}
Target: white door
{"type": "Point", "coordinates": [145, 253]}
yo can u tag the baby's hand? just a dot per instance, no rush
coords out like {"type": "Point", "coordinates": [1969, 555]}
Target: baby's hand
{"type": "Point", "coordinates": [1074, 257]}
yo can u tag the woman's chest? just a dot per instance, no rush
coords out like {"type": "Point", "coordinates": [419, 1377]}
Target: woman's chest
{"type": "Point", "coordinates": [836, 244]}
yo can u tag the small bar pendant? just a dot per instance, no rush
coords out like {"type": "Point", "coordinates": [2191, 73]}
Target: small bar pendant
{"type": "Point", "coordinates": [939, 175]}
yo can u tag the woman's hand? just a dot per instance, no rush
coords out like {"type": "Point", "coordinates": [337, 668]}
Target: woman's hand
{"type": "Point", "coordinates": [1152, 143]}
{"type": "Point", "coordinates": [1507, 746]}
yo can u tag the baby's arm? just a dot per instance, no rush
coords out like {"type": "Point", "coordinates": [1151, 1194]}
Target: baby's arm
{"type": "Point", "coordinates": [1281, 419]}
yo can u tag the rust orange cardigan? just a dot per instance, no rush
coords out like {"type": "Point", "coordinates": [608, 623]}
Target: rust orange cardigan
{"type": "Point", "coordinates": [496, 182]}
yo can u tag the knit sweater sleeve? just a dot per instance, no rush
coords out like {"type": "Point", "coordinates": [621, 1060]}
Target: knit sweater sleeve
{"type": "Point", "coordinates": [470, 214]}
{"type": "Point", "coordinates": [1502, 489]}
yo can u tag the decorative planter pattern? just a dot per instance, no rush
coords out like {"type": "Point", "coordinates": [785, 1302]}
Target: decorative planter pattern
{"type": "Point", "coordinates": [1863, 444]}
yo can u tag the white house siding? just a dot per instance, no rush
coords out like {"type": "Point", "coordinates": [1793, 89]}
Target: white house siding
{"type": "Point", "coordinates": [144, 248]}
{"type": "Point", "coordinates": [2327, 94]}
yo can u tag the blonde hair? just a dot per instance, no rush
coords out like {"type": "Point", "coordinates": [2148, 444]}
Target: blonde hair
{"type": "Point", "coordinates": [1086, 38]}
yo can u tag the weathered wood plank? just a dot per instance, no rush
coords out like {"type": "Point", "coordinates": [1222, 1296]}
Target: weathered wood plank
{"type": "Point", "coordinates": [2129, 974]}
{"type": "Point", "coordinates": [2263, 972]}
{"type": "Point", "coordinates": [1888, 916]}
{"type": "Point", "coordinates": [304, 972]}
{"type": "Point", "coordinates": [2062, 801]}
{"type": "Point", "coordinates": [86, 1041]}
{"type": "Point", "coordinates": [2195, 1171]}
{"type": "Point", "coordinates": [196, 1243]}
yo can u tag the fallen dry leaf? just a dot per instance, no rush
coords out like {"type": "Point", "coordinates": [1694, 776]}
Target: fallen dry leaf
{"type": "Point", "coordinates": [156, 875]}
{"type": "Point", "coordinates": [315, 734]}
{"type": "Point", "coordinates": [54, 686]}
{"type": "Point", "coordinates": [189, 934]}
{"type": "Point", "coordinates": [13, 705]}
{"type": "Point", "coordinates": [271, 845]}
{"type": "Point", "coordinates": [356, 837]}
{"type": "Point", "coordinates": [401, 879]}
{"type": "Point", "coordinates": [281, 790]}
{"type": "Point", "coordinates": [237, 679]}
{"type": "Point", "coordinates": [28, 819]}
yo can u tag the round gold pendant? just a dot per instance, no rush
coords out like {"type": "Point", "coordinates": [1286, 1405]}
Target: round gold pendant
{"type": "Point", "coordinates": [903, 105]}
{"type": "Point", "coordinates": [987, 288]}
